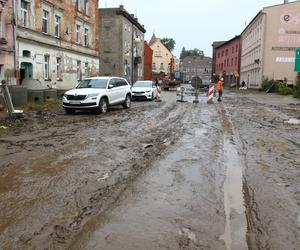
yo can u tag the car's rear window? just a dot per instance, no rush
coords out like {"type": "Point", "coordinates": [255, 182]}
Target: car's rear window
{"type": "Point", "coordinates": [93, 83]}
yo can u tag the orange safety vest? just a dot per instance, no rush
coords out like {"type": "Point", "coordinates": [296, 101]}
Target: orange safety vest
{"type": "Point", "coordinates": [219, 85]}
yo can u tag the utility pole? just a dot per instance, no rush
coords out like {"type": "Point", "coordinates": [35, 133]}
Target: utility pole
{"type": "Point", "coordinates": [15, 47]}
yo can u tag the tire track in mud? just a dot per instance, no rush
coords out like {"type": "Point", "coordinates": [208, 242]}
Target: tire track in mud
{"type": "Point", "coordinates": [92, 197]}
{"type": "Point", "coordinates": [104, 197]}
{"type": "Point", "coordinates": [270, 181]}
{"type": "Point", "coordinates": [235, 222]}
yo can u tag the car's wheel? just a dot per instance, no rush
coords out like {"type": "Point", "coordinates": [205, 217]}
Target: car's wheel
{"type": "Point", "coordinates": [127, 102]}
{"type": "Point", "coordinates": [69, 111]}
{"type": "Point", "coordinates": [103, 105]}
{"type": "Point", "coordinates": [152, 98]}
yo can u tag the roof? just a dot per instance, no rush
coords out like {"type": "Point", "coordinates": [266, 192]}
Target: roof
{"type": "Point", "coordinates": [229, 41]}
{"type": "Point", "coordinates": [129, 17]}
{"type": "Point", "coordinates": [197, 59]}
{"type": "Point", "coordinates": [152, 40]}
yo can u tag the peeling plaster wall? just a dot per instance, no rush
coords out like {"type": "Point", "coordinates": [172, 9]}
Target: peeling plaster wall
{"type": "Point", "coordinates": [31, 39]}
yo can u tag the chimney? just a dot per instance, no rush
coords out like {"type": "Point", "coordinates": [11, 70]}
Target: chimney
{"type": "Point", "coordinates": [286, 1]}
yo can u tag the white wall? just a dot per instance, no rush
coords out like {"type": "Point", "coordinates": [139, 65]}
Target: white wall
{"type": "Point", "coordinates": [69, 64]}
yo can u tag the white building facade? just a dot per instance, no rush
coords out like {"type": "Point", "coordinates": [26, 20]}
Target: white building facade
{"type": "Point", "coordinates": [269, 43]}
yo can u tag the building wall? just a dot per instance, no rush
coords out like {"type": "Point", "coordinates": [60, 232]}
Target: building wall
{"type": "Point", "coordinates": [161, 57]}
{"type": "Point", "coordinates": [148, 54]}
{"type": "Point", "coordinates": [252, 58]}
{"type": "Point", "coordinates": [122, 42]}
{"type": "Point", "coordinates": [283, 29]}
{"type": "Point", "coordinates": [228, 60]}
{"type": "Point", "coordinates": [7, 71]}
{"type": "Point", "coordinates": [35, 44]}
{"type": "Point", "coordinates": [269, 43]}
{"type": "Point", "coordinates": [199, 66]}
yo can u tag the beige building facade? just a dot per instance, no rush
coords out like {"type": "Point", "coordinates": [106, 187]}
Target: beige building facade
{"type": "Point", "coordinates": [269, 43]}
{"type": "Point", "coordinates": [161, 57]}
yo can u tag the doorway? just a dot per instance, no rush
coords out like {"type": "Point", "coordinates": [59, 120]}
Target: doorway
{"type": "Point", "coordinates": [25, 71]}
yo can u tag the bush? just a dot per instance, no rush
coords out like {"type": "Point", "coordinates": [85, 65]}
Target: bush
{"type": "Point", "coordinates": [284, 89]}
{"type": "Point", "coordinates": [270, 85]}
{"type": "Point", "coordinates": [297, 88]}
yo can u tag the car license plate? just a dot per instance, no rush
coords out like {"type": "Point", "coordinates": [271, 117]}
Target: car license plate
{"type": "Point", "coordinates": [75, 102]}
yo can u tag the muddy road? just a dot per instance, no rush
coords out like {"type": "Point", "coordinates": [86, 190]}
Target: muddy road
{"type": "Point", "coordinates": [163, 175]}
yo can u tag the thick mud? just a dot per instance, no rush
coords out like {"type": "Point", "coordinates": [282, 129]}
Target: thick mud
{"type": "Point", "coordinates": [163, 175]}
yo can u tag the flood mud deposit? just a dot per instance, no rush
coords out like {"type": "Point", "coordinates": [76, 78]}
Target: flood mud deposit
{"type": "Point", "coordinates": [163, 175]}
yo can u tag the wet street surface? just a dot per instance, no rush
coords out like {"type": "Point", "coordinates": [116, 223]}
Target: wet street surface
{"type": "Point", "coordinates": [165, 175]}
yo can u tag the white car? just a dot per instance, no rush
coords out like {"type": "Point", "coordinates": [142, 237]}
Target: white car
{"type": "Point", "coordinates": [97, 93]}
{"type": "Point", "coordinates": [144, 90]}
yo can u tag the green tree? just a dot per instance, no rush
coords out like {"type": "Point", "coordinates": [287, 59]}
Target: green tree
{"type": "Point", "coordinates": [192, 52]}
{"type": "Point", "coordinates": [169, 43]}
{"type": "Point", "coordinates": [183, 53]}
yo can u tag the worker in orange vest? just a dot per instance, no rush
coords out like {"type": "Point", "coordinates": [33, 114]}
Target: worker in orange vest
{"type": "Point", "coordinates": [220, 88]}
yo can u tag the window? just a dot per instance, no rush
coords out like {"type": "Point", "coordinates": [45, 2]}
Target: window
{"type": "Point", "coordinates": [78, 70]}
{"type": "Point", "coordinates": [78, 5]}
{"type": "Point", "coordinates": [226, 52]}
{"type": "Point", "coordinates": [222, 53]}
{"type": "Point", "coordinates": [86, 37]}
{"type": "Point", "coordinates": [85, 7]}
{"type": "Point", "coordinates": [154, 66]}
{"type": "Point", "coordinates": [26, 53]}
{"type": "Point", "coordinates": [57, 26]}
{"type": "Point", "coordinates": [232, 49]}
{"type": "Point", "coordinates": [58, 68]}
{"type": "Point", "coordinates": [77, 33]}
{"type": "Point", "coordinates": [161, 66]}
{"type": "Point", "coordinates": [46, 67]}
{"type": "Point", "coordinates": [87, 69]}
{"type": "Point", "coordinates": [45, 21]}
{"type": "Point", "coordinates": [24, 13]}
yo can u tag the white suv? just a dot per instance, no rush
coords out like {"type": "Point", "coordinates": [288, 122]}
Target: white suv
{"type": "Point", "coordinates": [97, 93]}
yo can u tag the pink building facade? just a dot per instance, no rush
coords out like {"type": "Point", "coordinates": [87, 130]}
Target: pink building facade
{"type": "Point", "coordinates": [228, 60]}
{"type": "Point", "coordinates": [7, 71]}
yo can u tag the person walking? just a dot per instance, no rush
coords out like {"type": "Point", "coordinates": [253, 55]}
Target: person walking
{"type": "Point", "coordinates": [220, 88]}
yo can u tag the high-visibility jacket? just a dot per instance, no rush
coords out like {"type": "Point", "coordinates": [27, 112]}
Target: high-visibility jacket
{"type": "Point", "coordinates": [219, 85]}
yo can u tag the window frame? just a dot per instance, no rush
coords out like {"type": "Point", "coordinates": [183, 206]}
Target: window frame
{"type": "Point", "coordinates": [46, 67]}
{"type": "Point", "coordinates": [78, 69]}
{"type": "Point", "coordinates": [58, 68]}
{"type": "Point", "coordinates": [78, 38]}
{"type": "Point", "coordinates": [45, 21]}
{"type": "Point", "coordinates": [24, 20]}
{"type": "Point", "coordinates": [57, 29]}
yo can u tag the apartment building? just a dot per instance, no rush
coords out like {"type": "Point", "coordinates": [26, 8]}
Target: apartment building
{"type": "Point", "coordinates": [269, 43]}
{"type": "Point", "coordinates": [57, 41]}
{"type": "Point", "coordinates": [7, 58]}
{"type": "Point", "coordinates": [163, 59]}
{"type": "Point", "coordinates": [196, 66]}
{"type": "Point", "coordinates": [122, 44]}
{"type": "Point", "coordinates": [228, 56]}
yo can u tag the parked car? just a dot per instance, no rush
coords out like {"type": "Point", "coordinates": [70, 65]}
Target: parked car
{"type": "Point", "coordinates": [145, 90]}
{"type": "Point", "coordinates": [98, 93]}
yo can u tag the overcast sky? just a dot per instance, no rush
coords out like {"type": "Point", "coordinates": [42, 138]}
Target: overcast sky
{"type": "Point", "coordinates": [193, 23]}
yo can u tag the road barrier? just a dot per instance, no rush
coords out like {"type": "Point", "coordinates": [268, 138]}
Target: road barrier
{"type": "Point", "coordinates": [158, 97]}
{"type": "Point", "coordinates": [211, 94]}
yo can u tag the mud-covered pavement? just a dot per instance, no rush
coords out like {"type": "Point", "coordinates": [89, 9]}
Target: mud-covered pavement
{"type": "Point", "coordinates": [158, 176]}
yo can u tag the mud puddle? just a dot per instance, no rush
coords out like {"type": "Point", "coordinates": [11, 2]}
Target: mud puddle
{"type": "Point", "coordinates": [235, 228]}
{"type": "Point", "coordinates": [178, 203]}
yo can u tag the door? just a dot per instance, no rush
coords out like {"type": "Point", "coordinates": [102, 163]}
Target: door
{"type": "Point", "coordinates": [25, 71]}
{"type": "Point", "coordinates": [113, 94]}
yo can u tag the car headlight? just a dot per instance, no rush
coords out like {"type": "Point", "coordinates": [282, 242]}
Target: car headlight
{"type": "Point", "coordinates": [148, 91]}
{"type": "Point", "coordinates": [92, 95]}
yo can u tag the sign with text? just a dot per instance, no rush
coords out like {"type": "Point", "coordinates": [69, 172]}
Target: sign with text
{"type": "Point", "coordinates": [297, 60]}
